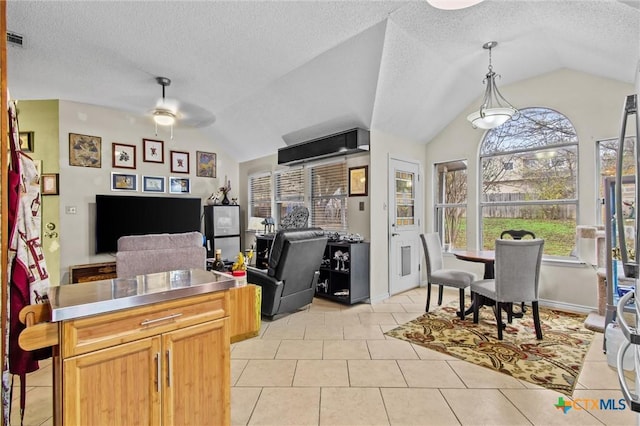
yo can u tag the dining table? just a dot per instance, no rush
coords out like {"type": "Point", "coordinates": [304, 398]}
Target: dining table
{"type": "Point", "coordinates": [488, 258]}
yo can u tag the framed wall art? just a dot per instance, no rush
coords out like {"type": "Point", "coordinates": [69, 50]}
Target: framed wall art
{"type": "Point", "coordinates": [358, 181]}
{"type": "Point", "coordinates": [26, 141]}
{"type": "Point", "coordinates": [179, 185]}
{"type": "Point", "coordinates": [179, 162]}
{"type": "Point", "coordinates": [153, 151]}
{"type": "Point", "coordinates": [124, 182]}
{"type": "Point", "coordinates": [123, 156]}
{"type": "Point", "coordinates": [153, 184]}
{"type": "Point", "coordinates": [85, 150]}
{"type": "Point", "coordinates": [205, 164]}
{"type": "Point", "coordinates": [49, 183]}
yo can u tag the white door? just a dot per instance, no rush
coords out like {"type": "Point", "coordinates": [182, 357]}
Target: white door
{"type": "Point", "coordinates": [405, 211]}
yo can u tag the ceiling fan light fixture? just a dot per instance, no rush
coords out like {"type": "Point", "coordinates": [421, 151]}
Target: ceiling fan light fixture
{"type": "Point", "coordinates": [164, 117]}
{"type": "Point", "coordinates": [495, 109]}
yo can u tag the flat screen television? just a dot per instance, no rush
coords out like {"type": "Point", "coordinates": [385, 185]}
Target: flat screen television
{"type": "Point", "coordinates": [120, 215]}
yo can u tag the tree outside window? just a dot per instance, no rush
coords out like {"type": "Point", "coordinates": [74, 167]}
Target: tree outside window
{"type": "Point", "coordinates": [538, 190]}
{"type": "Point", "coordinates": [451, 203]}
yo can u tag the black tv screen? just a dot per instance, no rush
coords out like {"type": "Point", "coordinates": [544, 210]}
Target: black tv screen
{"type": "Point", "coordinates": [117, 216]}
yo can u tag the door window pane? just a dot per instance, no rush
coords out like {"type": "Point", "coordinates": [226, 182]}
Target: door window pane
{"type": "Point", "coordinates": [405, 198]}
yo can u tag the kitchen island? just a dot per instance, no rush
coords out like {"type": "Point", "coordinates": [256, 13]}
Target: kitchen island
{"type": "Point", "coordinates": [148, 350]}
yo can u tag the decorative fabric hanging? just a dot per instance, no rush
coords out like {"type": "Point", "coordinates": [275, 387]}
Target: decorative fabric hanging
{"type": "Point", "coordinates": [28, 276]}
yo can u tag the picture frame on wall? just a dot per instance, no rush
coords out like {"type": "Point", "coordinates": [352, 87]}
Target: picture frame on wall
{"type": "Point", "coordinates": [205, 164]}
{"type": "Point", "coordinates": [49, 184]}
{"type": "Point", "coordinates": [153, 184]}
{"type": "Point", "coordinates": [179, 185]}
{"type": "Point", "coordinates": [124, 182]}
{"type": "Point", "coordinates": [85, 150]}
{"type": "Point", "coordinates": [153, 151]}
{"type": "Point", "coordinates": [26, 141]}
{"type": "Point", "coordinates": [179, 162]}
{"type": "Point", "coordinates": [123, 156]}
{"type": "Point", "coordinates": [358, 177]}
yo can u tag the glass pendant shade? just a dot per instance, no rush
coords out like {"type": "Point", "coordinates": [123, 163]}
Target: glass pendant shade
{"type": "Point", "coordinates": [490, 117]}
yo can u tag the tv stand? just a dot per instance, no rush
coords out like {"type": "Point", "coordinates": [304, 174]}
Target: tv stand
{"type": "Point", "coordinates": [92, 272]}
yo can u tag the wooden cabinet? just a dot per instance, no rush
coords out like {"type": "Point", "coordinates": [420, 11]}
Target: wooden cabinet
{"type": "Point", "coordinates": [92, 272]}
{"type": "Point", "coordinates": [344, 272]}
{"type": "Point", "coordinates": [166, 363]}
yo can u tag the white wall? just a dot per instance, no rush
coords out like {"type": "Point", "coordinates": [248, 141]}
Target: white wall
{"type": "Point", "coordinates": [79, 185]}
{"type": "Point", "coordinates": [594, 106]}
{"type": "Point", "coordinates": [384, 146]}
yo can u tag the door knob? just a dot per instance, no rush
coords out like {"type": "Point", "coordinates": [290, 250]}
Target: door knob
{"type": "Point", "coordinates": [394, 234]}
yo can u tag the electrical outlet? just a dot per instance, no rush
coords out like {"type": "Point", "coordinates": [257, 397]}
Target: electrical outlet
{"type": "Point", "coordinates": [71, 210]}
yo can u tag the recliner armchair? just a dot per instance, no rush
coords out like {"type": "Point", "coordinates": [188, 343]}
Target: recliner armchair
{"type": "Point", "coordinates": [294, 262]}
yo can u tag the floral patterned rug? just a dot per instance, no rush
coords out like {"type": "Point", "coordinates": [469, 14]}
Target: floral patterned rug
{"type": "Point", "coordinates": [554, 362]}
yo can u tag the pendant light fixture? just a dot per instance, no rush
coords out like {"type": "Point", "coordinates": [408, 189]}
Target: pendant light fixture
{"type": "Point", "coordinates": [495, 109]}
{"type": "Point", "coordinates": [162, 114]}
{"type": "Point", "coordinates": [452, 4]}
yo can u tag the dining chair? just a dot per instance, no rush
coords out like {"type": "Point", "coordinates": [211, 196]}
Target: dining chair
{"type": "Point", "coordinates": [517, 272]}
{"type": "Point", "coordinates": [437, 274]}
{"type": "Point", "coordinates": [518, 234]}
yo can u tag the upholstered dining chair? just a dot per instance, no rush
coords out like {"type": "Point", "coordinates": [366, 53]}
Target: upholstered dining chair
{"type": "Point", "coordinates": [437, 274]}
{"type": "Point", "coordinates": [518, 234]}
{"type": "Point", "coordinates": [517, 272]}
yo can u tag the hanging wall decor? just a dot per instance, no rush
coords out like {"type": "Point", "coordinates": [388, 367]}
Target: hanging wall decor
{"type": "Point", "coordinates": [85, 150]}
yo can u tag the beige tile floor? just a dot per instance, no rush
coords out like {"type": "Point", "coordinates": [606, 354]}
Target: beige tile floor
{"type": "Point", "coordinates": [331, 364]}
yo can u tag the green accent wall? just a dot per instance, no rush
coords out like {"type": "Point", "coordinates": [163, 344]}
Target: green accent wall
{"type": "Point", "coordinates": [42, 118]}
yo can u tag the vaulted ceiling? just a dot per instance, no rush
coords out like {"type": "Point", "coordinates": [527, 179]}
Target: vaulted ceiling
{"type": "Point", "coordinates": [277, 72]}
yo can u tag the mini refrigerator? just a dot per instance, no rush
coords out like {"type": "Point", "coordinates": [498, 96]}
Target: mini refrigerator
{"type": "Point", "coordinates": [222, 231]}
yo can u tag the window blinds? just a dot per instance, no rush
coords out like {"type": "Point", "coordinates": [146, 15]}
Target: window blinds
{"type": "Point", "coordinates": [260, 197]}
{"type": "Point", "coordinates": [329, 196]}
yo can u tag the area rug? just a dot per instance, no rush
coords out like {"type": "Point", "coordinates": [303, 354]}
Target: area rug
{"type": "Point", "coordinates": [554, 362]}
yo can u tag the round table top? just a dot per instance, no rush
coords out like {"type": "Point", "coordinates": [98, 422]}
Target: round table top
{"type": "Point", "coordinates": [484, 256]}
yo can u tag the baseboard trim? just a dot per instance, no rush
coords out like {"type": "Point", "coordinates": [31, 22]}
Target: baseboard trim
{"type": "Point", "coordinates": [566, 306]}
{"type": "Point", "coordinates": [379, 299]}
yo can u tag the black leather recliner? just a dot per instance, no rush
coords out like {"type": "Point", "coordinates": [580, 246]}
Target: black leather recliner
{"type": "Point", "coordinates": [294, 262]}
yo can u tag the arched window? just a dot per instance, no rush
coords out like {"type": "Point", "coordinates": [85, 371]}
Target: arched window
{"type": "Point", "coordinates": [529, 175]}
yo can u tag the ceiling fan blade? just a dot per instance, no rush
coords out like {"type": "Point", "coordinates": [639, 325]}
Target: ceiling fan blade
{"type": "Point", "coordinates": [192, 115]}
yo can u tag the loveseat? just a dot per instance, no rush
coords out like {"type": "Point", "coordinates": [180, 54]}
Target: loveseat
{"type": "Point", "coordinates": [146, 254]}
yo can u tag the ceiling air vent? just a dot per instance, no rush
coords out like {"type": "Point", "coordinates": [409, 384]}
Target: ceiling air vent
{"type": "Point", "coordinates": [14, 38]}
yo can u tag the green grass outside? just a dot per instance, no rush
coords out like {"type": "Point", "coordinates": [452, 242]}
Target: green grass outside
{"type": "Point", "coordinates": [558, 235]}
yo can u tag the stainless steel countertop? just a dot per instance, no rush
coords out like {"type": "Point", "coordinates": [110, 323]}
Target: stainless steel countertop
{"type": "Point", "coordinates": [71, 301]}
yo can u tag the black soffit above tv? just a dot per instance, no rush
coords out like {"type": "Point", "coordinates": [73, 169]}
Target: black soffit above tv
{"type": "Point", "coordinates": [343, 143]}
{"type": "Point", "coordinates": [120, 215]}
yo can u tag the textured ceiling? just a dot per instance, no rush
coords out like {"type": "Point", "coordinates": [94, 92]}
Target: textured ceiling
{"type": "Point", "coordinates": [275, 73]}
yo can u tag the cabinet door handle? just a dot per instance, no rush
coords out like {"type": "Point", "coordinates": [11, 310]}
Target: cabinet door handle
{"type": "Point", "coordinates": [169, 367]}
{"type": "Point", "coordinates": [158, 373]}
{"type": "Point", "coordinates": [151, 321]}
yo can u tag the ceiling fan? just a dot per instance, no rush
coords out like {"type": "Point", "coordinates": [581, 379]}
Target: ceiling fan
{"type": "Point", "coordinates": [169, 111]}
